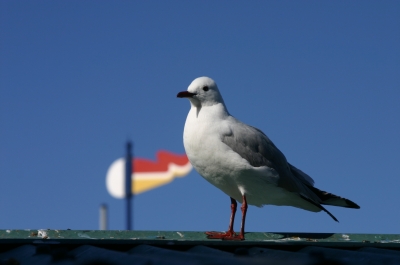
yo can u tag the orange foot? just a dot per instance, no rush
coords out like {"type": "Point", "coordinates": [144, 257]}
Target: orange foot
{"type": "Point", "coordinates": [224, 235]}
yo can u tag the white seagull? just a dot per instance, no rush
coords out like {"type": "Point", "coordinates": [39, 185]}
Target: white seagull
{"type": "Point", "coordinates": [242, 161]}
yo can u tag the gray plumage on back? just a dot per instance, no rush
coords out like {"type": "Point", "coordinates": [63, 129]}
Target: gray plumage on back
{"type": "Point", "coordinates": [254, 146]}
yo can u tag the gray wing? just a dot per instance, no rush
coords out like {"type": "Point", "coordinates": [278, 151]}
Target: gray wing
{"type": "Point", "coordinates": [254, 146]}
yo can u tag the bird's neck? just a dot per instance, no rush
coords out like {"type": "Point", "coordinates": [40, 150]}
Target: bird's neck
{"type": "Point", "coordinates": [216, 111]}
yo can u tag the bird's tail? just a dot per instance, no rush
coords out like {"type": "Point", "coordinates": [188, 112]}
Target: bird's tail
{"type": "Point", "coordinates": [332, 199]}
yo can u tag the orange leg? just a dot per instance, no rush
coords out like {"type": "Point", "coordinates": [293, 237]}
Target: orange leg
{"type": "Point", "coordinates": [230, 234]}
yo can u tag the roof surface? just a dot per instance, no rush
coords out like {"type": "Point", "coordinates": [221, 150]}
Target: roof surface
{"type": "Point", "coordinates": [179, 247]}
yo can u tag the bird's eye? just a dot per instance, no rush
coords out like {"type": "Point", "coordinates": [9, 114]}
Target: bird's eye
{"type": "Point", "coordinates": [205, 88]}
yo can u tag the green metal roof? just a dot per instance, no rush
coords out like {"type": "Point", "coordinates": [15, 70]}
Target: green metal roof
{"type": "Point", "coordinates": [342, 240]}
{"type": "Point", "coordinates": [78, 247]}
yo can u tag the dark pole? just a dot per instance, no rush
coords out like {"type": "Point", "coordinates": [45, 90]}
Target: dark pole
{"type": "Point", "coordinates": [128, 184]}
{"type": "Point", "coordinates": [103, 217]}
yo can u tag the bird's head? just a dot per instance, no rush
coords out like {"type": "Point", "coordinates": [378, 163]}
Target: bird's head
{"type": "Point", "coordinates": [203, 91]}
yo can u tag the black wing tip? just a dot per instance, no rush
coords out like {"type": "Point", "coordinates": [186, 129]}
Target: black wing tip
{"type": "Point", "coordinates": [352, 204]}
{"type": "Point", "coordinates": [333, 217]}
{"type": "Point", "coordinates": [323, 195]}
{"type": "Point", "coordinates": [321, 207]}
{"type": "Point", "coordinates": [329, 213]}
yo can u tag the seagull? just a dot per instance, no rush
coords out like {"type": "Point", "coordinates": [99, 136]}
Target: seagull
{"type": "Point", "coordinates": [243, 162]}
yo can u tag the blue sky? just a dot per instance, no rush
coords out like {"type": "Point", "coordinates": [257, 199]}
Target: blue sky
{"type": "Point", "coordinates": [320, 78]}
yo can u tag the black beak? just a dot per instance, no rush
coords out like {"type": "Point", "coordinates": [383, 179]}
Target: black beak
{"type": "Point", "coordinates": [185, 94]}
